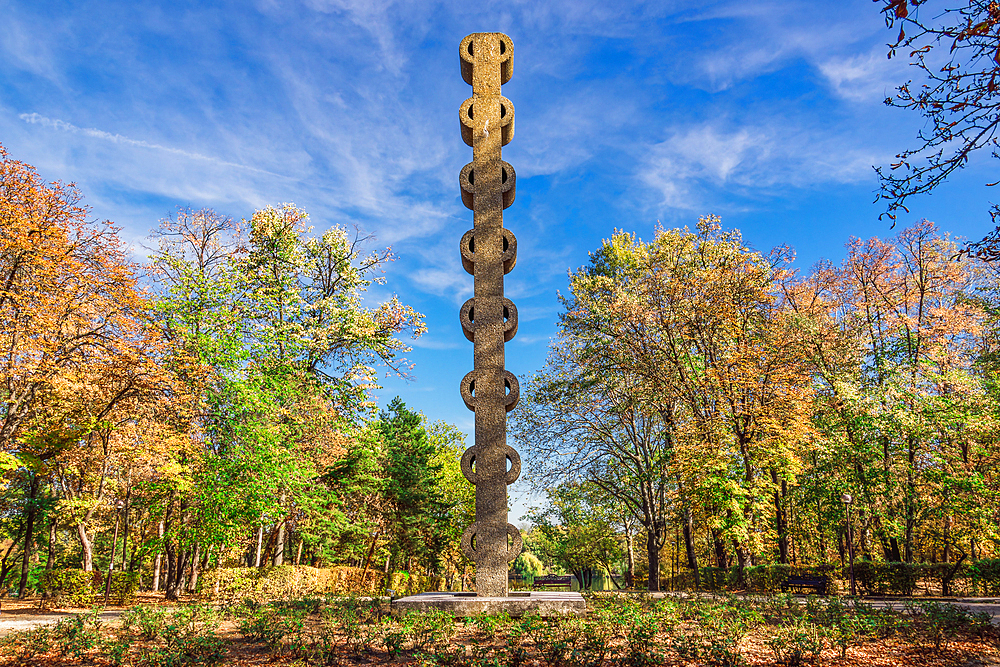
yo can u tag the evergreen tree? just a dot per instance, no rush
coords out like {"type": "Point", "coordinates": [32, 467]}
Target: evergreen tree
{"type": "Point", "coordinates": [412, 491]}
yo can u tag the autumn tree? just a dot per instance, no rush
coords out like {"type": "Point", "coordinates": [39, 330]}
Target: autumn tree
{"type": "Point", "coordinates": [76, 343]}
{"type": "Point", "coordinates": [675, 365]}
{"type": "Point", "coordinates": [893, 336]}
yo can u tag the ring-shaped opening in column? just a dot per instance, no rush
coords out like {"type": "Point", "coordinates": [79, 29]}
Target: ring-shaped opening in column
{"type": "Point", "coordinates": [470, 125]}
{"type": "Point", "coordinates": [467, 316]}
{"type": "Point", "coordinates": [467, 184]}
{"type": "Point", "coordinates": [508, 253]}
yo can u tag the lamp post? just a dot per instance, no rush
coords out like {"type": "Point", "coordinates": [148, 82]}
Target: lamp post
{"type": "Point", "coordinates": [846, 499]}
{"type": "Point", "coordinates": [114, 542]}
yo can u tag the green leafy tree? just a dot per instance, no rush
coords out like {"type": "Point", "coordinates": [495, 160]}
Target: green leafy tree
{"type": "Point", "coordinates": [575, 533]}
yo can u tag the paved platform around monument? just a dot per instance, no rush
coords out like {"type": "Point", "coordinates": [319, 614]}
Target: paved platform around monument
{"type": "Point", "coordinates": [519, 603]}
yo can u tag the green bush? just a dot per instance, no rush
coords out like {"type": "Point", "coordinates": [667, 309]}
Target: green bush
{"type": "Point", "coordinates": [189, 638]}
{"type": "Point", "coordinates": [767, 578]}
{"type": "Point", "coordinates": [149, 621]}
{"type": "Point", "coordinates": [78, 634]}
{"type": "Point", "coordinates": [797, 644]}
{"type": "Point", "coordinates": [770, 578]}
{"type": "Point", "coordinates": [123, 588]}
{"type": "Point", "coordinates": [984, 577]}
{"type": "Point", "coordinates": [888, 578]}
{"type": "Point", "coordinates": [714, 578]}
{"type": "Point", "coordinates": [70, 587]}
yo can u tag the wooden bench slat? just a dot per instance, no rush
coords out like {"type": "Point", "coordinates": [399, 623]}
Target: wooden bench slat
{"type": "Point", "coordinates": [819, 584]}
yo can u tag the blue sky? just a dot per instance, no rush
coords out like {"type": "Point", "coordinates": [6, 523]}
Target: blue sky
{"type": "Point", "coordinates": [768, 114]}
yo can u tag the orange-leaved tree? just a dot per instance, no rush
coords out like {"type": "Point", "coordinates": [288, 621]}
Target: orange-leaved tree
{"type": "Point", "coordinates": [74, 340]}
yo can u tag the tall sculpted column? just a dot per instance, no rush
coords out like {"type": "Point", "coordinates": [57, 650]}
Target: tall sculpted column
{"type": "Point", "coordinates": [488, 319]}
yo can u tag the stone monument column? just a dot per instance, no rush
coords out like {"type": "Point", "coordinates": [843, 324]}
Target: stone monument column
{"type": "Point", "coordinates": [488, 319]}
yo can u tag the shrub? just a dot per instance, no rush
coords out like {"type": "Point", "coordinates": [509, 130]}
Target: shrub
{"type": "Point", "coordinates": [984, 576]}
{"type": "Point", "coordinates": [117, 648]}
{"type": "Point", "coordinates": [69, 587]}
{"type": "Point", "coordinates": [76, 635]}
{"type": "Point", "coordinates": [26, 644]}
{"type": "Point", "coordinates": [714, 578]}
{"type": "Point", "coordinates": [888, 578]}
{"type": "Point", "coordinates": [189, 637]}
{"type": "Point", "coordinates": [286, 581]}
{"type": "Point", "coordinates": [408, 583]}
{"type": "Point", "coordinates": [767, 578]}
{"type": "Point", "coordinates": [150, 621]}
{"type": "Point", "coordinates": [123, 588]}
{"type": "Point", "coordinates": [796, 644]}
{"type": "Point", "coordinates": [945, 621]}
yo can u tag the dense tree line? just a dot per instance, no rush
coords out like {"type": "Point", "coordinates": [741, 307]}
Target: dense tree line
{"type": "Point", "coordinates": [702, 400]}
{"type": "Point", "coordinates": [707, 391]}
{"type": "Point", "coordinates": [215, 401]}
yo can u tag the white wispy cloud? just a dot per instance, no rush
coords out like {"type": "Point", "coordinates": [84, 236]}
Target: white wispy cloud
{"type": "Point", "coordinates": [864, 77]}
{"type": "Point", "coordinates": [54, 123]}
{"type": "Point", "coordinates": [760, 157]}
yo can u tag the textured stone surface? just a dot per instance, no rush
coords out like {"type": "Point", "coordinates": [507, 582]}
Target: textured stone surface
{"type": "Point", "coordinates": [489, 320]}
{"type": "Point", "coordinates": [553, 603]}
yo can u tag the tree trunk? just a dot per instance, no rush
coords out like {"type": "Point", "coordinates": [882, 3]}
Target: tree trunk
{"type": "Point", "coordinates": [29, 532]}
{"type": "Point", "coordinates": [177, 560]}
{"type": "Point", "coordinates": [260, 541]}
{"type": "Point", "coordinates": [947, 537]}
{"type": "Point", "coordinates": [4, 566]}
{"type": "Point", "coordinates": [50, 560]}
{"type": "Point", "coordinates": [687, 528]}
{"type": "Point", "coordinates": [721, 558]}
{"type": "Point", "coordinates": [298, 555]}
{"type": "Point", "coordinates": [195, 568]}
{"type": "Point", "coordinates": [630, 563]}
{"type": "Point", "coordinates": [781, 521]}
{"type": "Point", "coordinates": [170, 590]}
{"type": "Point", "coordinates": [279, 545]}
{"type": "Point", "coordinates": [368, 557]}
{"type": "Point", "coordinates": [911, 501]}
{"type": "Point", "coordinates": [159, 559]}
{"type": "Point", "coordinates": [128, 497]}
{"type": "Point", "coordinates": [88, 548]}
{"type": "Point", "coordinates": [653, 554]}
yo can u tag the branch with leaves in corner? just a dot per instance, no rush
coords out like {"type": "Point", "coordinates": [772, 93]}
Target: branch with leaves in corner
{"type": "Point", "coordinates": [957, 51]}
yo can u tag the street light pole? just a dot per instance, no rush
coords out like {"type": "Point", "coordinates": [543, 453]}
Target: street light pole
{"type": "Point", "coordinates": [846, 498]}
{"type": "Point", "coordinates": [114, 543]}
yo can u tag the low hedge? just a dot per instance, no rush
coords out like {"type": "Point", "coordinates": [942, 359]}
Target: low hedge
{"type": "Point", "coordinates": [406, 583]}
{"type": "Point", "coordinates": [981, 578]}
{"type": "Point", "coordinates": [70, 587]}
{"type": "Point", "coordinates": [79, 588]}
{"type": "Point", "coordinates": [123, 588]}
{"type": "Point", "coordinates": [289, 581]}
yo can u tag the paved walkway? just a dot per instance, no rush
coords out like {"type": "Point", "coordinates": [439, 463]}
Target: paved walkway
{"type": "Point", "coordinates": [11, 621]}
{"type": "Point", "coordinates": [989, 605]}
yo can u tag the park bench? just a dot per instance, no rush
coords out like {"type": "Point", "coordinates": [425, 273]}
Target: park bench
{"type": "Point", "coordinates": [552, 581]}
{"type": "Point", "coordinates": [819, 584]}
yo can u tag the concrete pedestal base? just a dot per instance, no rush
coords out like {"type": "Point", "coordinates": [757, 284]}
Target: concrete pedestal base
{"type": "Point", "coordinates": [519, 603]}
